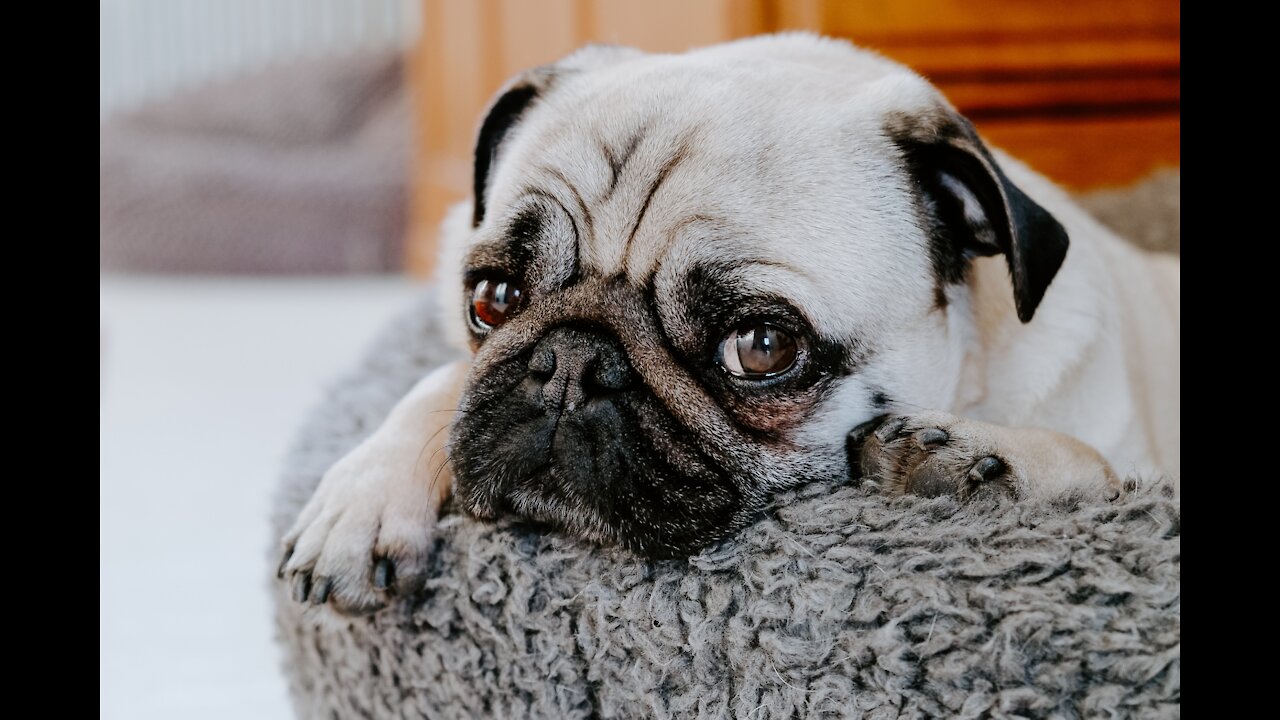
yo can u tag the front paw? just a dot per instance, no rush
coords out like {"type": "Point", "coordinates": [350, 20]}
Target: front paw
{"type": "Point", "coordinates": [932, 454]}
{"type": "Point", "coordinates": [365, 536]}
{"type": "Point", "coordinates": [935, 453]}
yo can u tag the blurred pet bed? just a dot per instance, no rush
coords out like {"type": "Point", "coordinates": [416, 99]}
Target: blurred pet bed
{"type": "Point", "coordinates": [836, 603]}
{"type": "Point", "coordinates": [301, 167]}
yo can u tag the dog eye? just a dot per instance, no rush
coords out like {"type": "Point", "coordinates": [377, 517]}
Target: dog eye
{"type": "Point", "coordinates": [493, 302]}
{"type": "Point", "coordinates": [758, 351]}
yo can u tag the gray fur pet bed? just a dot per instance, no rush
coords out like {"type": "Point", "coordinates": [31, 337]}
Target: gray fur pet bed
{"type": "Point", "coordinates": [837, 603]}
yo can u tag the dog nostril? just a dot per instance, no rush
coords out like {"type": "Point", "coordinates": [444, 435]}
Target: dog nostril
{"type": "Point", "coordinates": [570, 366]}
{"type": "Point", "coordinates": [611, 374]}
{"type": "Point", "coordinates": [543, 363]}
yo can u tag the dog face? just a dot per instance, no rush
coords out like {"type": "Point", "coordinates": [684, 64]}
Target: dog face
{"type": "Point", "coordinates": [686, 278]}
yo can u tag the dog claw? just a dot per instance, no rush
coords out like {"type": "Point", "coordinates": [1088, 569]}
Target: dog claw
{"type": "Point", "coordinates": [383, 574]}
{"type": "Point", "coordinates": [987, 469]}
{"type": "Point", "coordinates": [321, 592]}
{"type": "Point", "coordinates": [930, 438]}
{"type": "Point", "coordinates": [288, 553]}
{"type": "Point", "coordinates": [301, 586]}
{"type": "Point", "coordinates": [890, 429]}
{"type": "Point", "coordinates": [859, 434]}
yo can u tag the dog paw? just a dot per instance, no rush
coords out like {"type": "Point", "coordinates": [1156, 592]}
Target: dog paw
{"type": "Point", "coordinates": [935, 453]}
{"type": "Point", "coordinates": [365, 536]}
{"type": "Point", "coordinates": [932, 454]}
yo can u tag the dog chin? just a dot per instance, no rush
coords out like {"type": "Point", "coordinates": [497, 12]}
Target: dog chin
{"type": "Point", "coordinates": [533, 499]}
{"type": "Point", "coordinates": [555, 495]}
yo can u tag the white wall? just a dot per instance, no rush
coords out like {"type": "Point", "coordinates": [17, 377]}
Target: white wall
{"type": "Point", "coordinates": [148, 48]}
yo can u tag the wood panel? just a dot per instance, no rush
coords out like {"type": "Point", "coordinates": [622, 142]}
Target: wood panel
{"type": "Point", "coordinates": [1090, 151]}
{"type": "Point", "coordinates": [1086, 91]}
{"type": "Point", "coordinates": [907, 18]}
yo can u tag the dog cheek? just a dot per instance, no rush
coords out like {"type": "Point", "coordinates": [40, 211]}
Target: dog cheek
{"type": "Point", "coordinates": [482, 438]}
{"type": "Point", "coordinates": [776, 418]}
{"type": "Point", "coordinates": [773, 419]}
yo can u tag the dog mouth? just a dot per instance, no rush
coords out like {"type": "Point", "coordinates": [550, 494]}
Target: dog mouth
{"type": "Point", "coordinates": [612, 487]}
{"type": "Point", "coordinates": [540, 499]}
{"type": "Point", "coordinates": [549, 472]}
{"type": "Point", "coordinates": [541, 496]}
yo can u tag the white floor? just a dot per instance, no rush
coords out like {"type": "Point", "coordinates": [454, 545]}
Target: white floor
{"type": "Point", "coordinates": [203, 384]}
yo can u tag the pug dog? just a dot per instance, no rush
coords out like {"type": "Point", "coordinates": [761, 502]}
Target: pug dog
{"type": "Point", "coordinates": [688, 281]}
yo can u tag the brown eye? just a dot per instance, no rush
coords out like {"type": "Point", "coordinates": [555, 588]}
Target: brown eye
{"type": "Point", "coordinates": [493, 302]}
{"type": "Point", "coordinates": [758, 351]}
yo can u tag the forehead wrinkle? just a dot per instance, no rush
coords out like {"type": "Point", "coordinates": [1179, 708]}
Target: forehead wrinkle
{"type": "Point", "coordinates": [623, 216]}
{"type": "Point", "coordinates": [680, 154]}
{"type": "Point", "coordinates": [618, 159]}
{"type": "Point", "coordinates": [584, 211]}
{"type": "Point", "coordinates": [642, 268]}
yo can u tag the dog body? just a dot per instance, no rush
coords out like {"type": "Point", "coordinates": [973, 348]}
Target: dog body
{"type": "Point", "coordinates": [684, 279]}
{"type": "Point", "coordinates": [1101, 360]}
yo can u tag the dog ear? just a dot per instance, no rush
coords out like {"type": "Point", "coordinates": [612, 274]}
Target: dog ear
{"type": "Point", "coordinates": [514, 101]}
{"type": "Point", "coordinates": [976, 210]}
{"type": "Point", "coordinates": [511, 103]}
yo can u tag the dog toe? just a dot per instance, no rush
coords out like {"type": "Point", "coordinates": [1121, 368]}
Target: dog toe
{"type": "Point", "coordinates": [284, 561]}
{"type": "Point", "coordinates": [859, 434]}
{"type": "Point", "coordinates": [320, 590]}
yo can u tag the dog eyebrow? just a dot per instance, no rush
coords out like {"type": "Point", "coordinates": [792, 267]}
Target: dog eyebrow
{"type": "Point", "coordinates": [515, 248]}
{"type": "Point", "coordinates": [723, 279]}
{"type": "Point", "coordinates": [775, 264]}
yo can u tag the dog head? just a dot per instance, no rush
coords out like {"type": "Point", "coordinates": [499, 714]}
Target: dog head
{"type": "Point", "coordinates": [684, 278]}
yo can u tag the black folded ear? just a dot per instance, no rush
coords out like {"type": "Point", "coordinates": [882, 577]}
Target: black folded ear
{"type": "Point", "coordinates": [974, 209]}
{"type": "Point", "coordinates": [511, 104]}
{"type": "Point", "coordinates": [514, 102]}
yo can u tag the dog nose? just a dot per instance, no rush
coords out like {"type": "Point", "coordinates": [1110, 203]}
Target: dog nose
{"type": "Point", "coordinates": [573, 365]}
